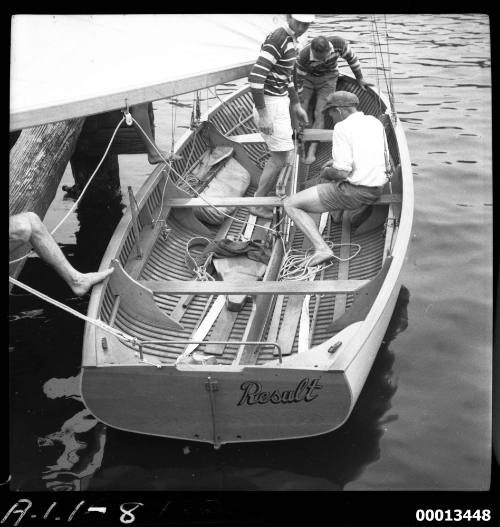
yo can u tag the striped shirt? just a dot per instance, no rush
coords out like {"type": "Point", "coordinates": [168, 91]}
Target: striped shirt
{"type": "Point", "coordinates": [339, 47]}
{"type": "Point", "coordinates": [272, 72]}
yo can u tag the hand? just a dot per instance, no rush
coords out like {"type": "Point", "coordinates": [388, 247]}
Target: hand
{"type": "Point", "coordinates": [301, 114]}
{"type": "Point", "coordinates": [329, 163]}
{"type": "Point", "coordinates": [362, 84]}
{"type": "Point", "coordinates": [328, 173]}
{"type": "Point", "coordinates": [265, 124]}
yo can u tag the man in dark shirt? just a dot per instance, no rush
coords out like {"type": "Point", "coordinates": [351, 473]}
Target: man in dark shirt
{"type": "Point", "coordinates": [317, 73]}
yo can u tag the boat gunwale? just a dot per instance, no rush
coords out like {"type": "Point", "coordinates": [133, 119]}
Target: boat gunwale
{"type": "Point", "coordinates": [346, 356]}
{"type": "Point", "coordinates": [124, 227]}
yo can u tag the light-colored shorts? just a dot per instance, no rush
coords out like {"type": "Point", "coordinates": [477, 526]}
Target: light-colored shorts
{"type": "Point", "coordinates": [342, 195]}
{"type": "Point", "coordinates": [278, 109]}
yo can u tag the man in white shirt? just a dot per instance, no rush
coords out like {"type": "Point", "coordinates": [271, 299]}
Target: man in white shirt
{"type": "Point", "coordinates": [356, 173]}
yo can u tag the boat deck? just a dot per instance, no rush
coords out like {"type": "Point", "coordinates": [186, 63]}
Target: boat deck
{"type": "Point", "coordinates": [167, 262]}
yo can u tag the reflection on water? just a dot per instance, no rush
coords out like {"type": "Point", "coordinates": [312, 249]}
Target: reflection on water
{"type": "Point", "coordinates": [82, 438]}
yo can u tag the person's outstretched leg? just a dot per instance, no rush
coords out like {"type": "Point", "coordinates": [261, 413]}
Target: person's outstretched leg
{"type": "Point", "coordinates": [28, 228]}
{"type": "Point", "coordinates": [297, 207]}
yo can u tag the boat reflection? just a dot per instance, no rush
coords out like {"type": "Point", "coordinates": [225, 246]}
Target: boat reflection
{"type": "Point", "coordinates": [82, 437]}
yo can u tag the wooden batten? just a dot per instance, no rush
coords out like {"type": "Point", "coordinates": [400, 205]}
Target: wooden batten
{"type": "Point", "coordinates": [179, 287]}
{"type": "Point", "coordinates": [317, 134]}
{"type": "Point", "coordinates": [249, 138]}
{"type": "Point", "coordinates": [37, 163]}
{"type": "Point", "coordinates": [267, 201]}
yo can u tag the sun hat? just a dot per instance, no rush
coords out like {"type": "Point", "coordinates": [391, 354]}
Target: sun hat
{"type": "Point", "coordinates": [308, 19]}
{"type": "Point", "coordinates": [339, 99]}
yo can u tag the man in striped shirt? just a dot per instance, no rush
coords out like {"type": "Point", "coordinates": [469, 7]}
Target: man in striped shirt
{"type": "Point", "coordinates": [273, 90]}
{"type": "Point", "coordinates": [317, 72]}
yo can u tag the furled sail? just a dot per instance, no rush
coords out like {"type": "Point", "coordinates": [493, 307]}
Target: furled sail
{"type": "Point", "coordinates": [66, 66]}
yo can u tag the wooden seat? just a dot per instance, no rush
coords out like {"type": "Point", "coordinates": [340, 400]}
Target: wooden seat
{"type": "Point", "coordinates": [268, 201]}
{"type": "Point", "coordinates": [296, 287]}
{"type": "Point", "coordinates": [249, 138]}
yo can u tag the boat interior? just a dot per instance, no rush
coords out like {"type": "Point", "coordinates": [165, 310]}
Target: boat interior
{"type": "Point", "coordinates": [184, 303]}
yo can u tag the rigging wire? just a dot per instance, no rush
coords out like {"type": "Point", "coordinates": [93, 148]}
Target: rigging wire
{"type": "Point", "coordinates": [96, 322]}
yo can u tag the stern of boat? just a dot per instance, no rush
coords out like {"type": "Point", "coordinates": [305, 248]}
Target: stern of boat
{"type": "Point", "coordinates": [218, 405]}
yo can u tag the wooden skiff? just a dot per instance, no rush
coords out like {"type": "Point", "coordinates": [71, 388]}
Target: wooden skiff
{"type": "Point", "coordinates": [291, 358]}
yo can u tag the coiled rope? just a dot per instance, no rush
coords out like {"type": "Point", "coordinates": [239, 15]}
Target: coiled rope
{"type": "Point", "coordinates": [295, 262]}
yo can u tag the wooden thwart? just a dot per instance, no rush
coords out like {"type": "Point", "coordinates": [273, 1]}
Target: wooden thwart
{"type": "Point", "coordinates": [317, 134]}
{"type": "Point", "coordinates": [268, 201]}
{"type": "Point", "coordinates": [252, 138]}
{"type": "Point", "coordinates": [296, 287]}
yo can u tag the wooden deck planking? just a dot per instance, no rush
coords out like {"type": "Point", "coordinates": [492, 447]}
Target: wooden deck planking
{"type": "Point", "coordinates": [293, 309]}
{"type": "Point", "coordinates": [343, 271]}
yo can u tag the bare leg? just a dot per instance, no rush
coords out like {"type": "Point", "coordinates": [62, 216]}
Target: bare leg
{"type": "Point", "coordinates": [326, 89]}
{"type": "Point", "coordinates": [28, 228]}
{"type": "Point", "coordinates": [297, 207]}
{"type": "Point", "coordinates": [319, 122]}
{"type": "Point", "coordinates": [307, 93]}
{"type": "Point", "coordinates": [268, 180]}
{"type": "Point", "coordinates": [140, 114]}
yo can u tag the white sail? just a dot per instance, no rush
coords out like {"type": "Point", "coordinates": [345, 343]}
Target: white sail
{"type": "Point", "coordinates": [66, 66]}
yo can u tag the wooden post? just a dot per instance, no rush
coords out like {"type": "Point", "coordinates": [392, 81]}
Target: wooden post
{"type": "Point", "coordinates": [36, 165]}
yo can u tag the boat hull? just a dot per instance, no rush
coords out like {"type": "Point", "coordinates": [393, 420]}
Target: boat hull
{"type": "Point", "coordinates": [244, 396]}
{"type": "Point", "coordinates": [249, 404]}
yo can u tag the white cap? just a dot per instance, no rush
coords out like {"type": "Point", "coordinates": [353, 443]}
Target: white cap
{"type": "Point", "coordinates": [308, 19]}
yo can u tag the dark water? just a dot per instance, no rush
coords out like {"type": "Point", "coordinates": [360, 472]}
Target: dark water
{"type": "Point", "coordinates": [423, 421]}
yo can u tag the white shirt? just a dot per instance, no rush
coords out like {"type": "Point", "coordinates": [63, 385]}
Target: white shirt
{"type": "Point", "coordinates": [358, 148]}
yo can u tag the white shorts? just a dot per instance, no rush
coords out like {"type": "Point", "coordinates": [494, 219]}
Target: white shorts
{"type": "Point", "coordinates": [278, 109]}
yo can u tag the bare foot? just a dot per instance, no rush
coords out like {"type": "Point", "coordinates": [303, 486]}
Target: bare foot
{"type": "Point", "coordinates": [310, 159]}
{"type": "Point", "coordinates": [86, 281]}
{"type": "Point", "coordinates": [319, 257]}
{"type": "Point", "coordinates": [261, 212]}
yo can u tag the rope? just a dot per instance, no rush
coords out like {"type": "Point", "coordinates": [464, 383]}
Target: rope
{"type": "Point", "coordinates": [98, 323]}
{"type": "Point", "coordinates": [81, 193]}
{"type": "Point", "coordinates": [388, 79]}
{"type": "Point", "coordinates": [198, 268]}
{"type": "Point", "coordinates": [377, 76]}
{"type": "Point", "coordinates": [295, 263]}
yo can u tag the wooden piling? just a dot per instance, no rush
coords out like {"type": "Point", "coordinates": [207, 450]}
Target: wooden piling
{"type": "Point", "coordinates": [36, 165]}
